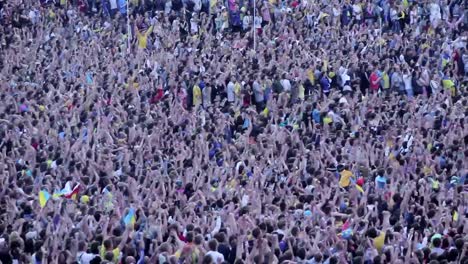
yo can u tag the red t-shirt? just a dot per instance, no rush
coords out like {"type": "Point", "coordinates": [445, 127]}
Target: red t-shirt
{"type": "Point", "coordinates": [374, 81]}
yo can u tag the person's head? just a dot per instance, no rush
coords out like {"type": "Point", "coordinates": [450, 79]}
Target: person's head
{"type": "Point", "coordinates": [94, 247]}
{"type": "Point", "coordinates": [108, 244]}
{"type": "Point", "coordinates": [256, 232]}
{"type": "Point", "coordinates": [82, 246]}
{"type": "Point", "coordinates": [372, 233]}
{"type": "Point", "coordinates": [220, 237]}
{"type": "Point", "coordinates": [213, 245]}
{"type": "Point", "coordinates": [198, 240]}
{"type": "Point", "coordinates": [109, 256]}
{"type": "Point", "coordinates": [301, 253]}
{"type": "Point", "coordinates": [459, 242]}
{"type": "Point", "coordinates": [377, 260]}
{"type": "Point", "coordinates": [189, 237]}
{"type": "Point", "coordinates": [130, 260]}
{"type": "Point", "coordinates": [96, 260]}
{"type": "Point", "coordinates": [207, 260]}
{"type": "Point", "coordinates": [452, 254]}
{"type": "Point", "coordinates": [333, 260]}
{"type": "Point", "coordinates": [437, 242]}
{"type": "Point", "coordinates": [358, 260]}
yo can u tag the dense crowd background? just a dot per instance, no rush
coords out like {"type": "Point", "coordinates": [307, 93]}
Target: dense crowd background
{"type": "Point", "coordinates": [196, 131]}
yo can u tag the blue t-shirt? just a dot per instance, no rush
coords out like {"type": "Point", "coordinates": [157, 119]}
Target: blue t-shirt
{"type": "Point", "coordinates": [316, 116]}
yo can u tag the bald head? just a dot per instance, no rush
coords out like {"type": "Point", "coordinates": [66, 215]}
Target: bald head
{"type": "Point", "coordinates": [130, 260]}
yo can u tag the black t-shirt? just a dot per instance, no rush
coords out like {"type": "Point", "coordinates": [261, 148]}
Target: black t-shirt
{"type": "Point", "coordinates": [5, 257]}
{"type": "Point", "coordinates": [177, 5]}
{"type": "Point", "coordinates": [225, 250]}
{"type": "Point", "coordinates": [364, 80]}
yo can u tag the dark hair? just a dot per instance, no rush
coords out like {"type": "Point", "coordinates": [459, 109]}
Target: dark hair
{"type": "Point", "coordinates": [333, 260]}
{"type": "Point", "coordinates": [207, 259]}
{"type": "Point", "coordinates": [437, 242]}
{"type": "Point", "coordinates": [109, 256]}
{"type": "Point", "coordinates": [372, 233]}
{"type": "Point", "coordinates": [82, 246]}
{"type": "Point", "coordinates": [198, 239]}
{"type": "Point", "coordinates": [301, 253]}
{"type": "Point", "coordinates": [107, 244]}
{"type": "Point", "coordinates": [452, 255]}
{"type": "Point", "coordinates": [96, 260]}
{"type": "Point", "coordinates": [94, 248]}
{"type": "Point", "coordinates": [189, 237]}
{"type": "Point", "coordinates": [213, 244]}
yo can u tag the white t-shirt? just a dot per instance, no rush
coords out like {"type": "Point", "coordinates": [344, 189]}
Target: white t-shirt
{"type": "Point", "coordinates": [258, 22]}
{"type": "Point", "coordinates": [216, 256]}
{"type": "Point", "coordinates": [230, 92]}
{"type": "Point", "coordinates": [438, 251]}
{"type": "Point", "coordinates": [435, 11]}
{"type": "Point", "coordinates": [113, 4]}
{"type": "Point", "coordinates": [84, 258]}
{"type": "Point", "coordinates": [286, 85]}
{"type": "Point", "coordinates": [357, 10]}
{"type": "Point", "coordinates": [246, 22]}
{"type": "Point", "coordinates": [193, 26]}
{"type": "Point", "coordinates": [407, 81]}
{"type": "Point", "coordinates": [32, 15]}
{"type": "Point", "coordinates": [198, 5]}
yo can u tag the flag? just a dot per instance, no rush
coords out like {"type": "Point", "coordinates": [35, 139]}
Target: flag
{"type": "Point", "coordinates": [129, 219]}
{"type": "Point", "coordinates": [107, 199]}
{"type": "Point", "coordinates": [359, 188]}
{"type": "Point", "coordinates": [123, 6]}
{"type": "Point", "coordinates": [347, 234]}
{"type": "Point", "coordinates": [73, 193]}
{"type": "Point", "coordinates": [265, 112]}
{"type": "Point", "coordinates": [44, 196]}
{"type": "Point", "coordinates": [345, 226]}
{"type": "Point", "coordinates": [455, 216]}
{"type": "Point", "coordinates": [62, 192]}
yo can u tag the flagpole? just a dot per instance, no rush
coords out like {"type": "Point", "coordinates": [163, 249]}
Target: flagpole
{"type": "Point", "coordinates": [254, 29]}
{"type": "Point", "coordinates": [380, 35]}
{"type": "Point", "coordinates": [128, 27]}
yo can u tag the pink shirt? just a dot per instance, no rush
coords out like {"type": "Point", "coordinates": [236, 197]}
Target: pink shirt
{"type": "Point", "coordinates": [266, 14]}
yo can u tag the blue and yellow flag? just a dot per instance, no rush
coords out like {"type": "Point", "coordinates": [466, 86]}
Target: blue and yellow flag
{"type": "Point", "coordinates": [129, 219]}
{"type": "Point", "coordinates": [44, 196]}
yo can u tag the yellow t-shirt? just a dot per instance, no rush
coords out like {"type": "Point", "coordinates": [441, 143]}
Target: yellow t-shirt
{"type": "Point", "coordinates": [115, 251]}
{"type": "Point", "coordinates": [405, 4]}
{"type": "Point", "coordinates": [345, 178]}
{"type": "Point", "coordinates": [386, 81]}
{"type": "Point", "coordinates": [301, 92]}
{"type": "Point", "coordinates": [196, 95]}
{"type": "Point", "coordinates": [213, 4]}
{"type": "Point", "coordinates": [237, 88]}
{"type": "Point", "coordinates": [379, 241]}
{"type": "Point", "coordinates": [311, 76]}
{"type": "Point", "coordinates": [448, 83]}
{"type": "Point", "coordinates": [143, 38]}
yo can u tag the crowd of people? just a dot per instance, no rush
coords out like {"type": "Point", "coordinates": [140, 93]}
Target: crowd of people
{"type": "Point", "coordinates": [196, 131]}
